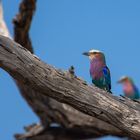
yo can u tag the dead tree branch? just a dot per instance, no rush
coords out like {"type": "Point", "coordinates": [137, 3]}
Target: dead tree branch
{"type": "Point", "coordinates": [49, 110]}
{"type": "Point", "coordinates": [22, 23]}
{"type": "Point", "coordinates": [48, 81]}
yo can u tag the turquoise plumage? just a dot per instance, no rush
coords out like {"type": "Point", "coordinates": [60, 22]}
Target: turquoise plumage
{"type": "Point", "coordinates": [99, 72]}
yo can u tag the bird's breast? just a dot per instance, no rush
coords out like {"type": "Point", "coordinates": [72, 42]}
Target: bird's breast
{"type": "Point", "coordinates": [96, 69]}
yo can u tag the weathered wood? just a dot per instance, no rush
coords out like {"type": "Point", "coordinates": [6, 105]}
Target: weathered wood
{"type": "Point", "coordinates": [60, 85]}
{"type": "Point", "coordinates": [85, 125]}
{"type": "Point", "coordinates": [59, 133]}
{"type": "Point", "coordinates": [47, 109]}
{"type": "Point", "coordinates": [3, 27]}
{"type": "Point", "coordinates": [22, 23]}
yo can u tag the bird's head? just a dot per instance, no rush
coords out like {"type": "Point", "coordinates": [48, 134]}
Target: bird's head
{"type": "Point", "coordinates": [93, 54]}
{"type": "Point", "coordinates": [125, 79]}
{"type": "Point", "coordinates": [128, 85]}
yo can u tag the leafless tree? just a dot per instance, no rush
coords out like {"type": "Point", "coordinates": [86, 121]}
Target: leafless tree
{"type": "Point", "coordinates": [80, 110]}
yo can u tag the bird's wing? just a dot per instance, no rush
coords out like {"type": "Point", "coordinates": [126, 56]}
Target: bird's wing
{"type": "Point", "coordinates": [137, 93]}
{"type": "Point", "coordinates": [107, 77]}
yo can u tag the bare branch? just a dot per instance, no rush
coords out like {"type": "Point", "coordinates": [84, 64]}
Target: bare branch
{"type": "Point", "coordinates": [48, 81]}
{"type": "Point", "coordinates": [22, 23]}
{"type": "Point", "coordinates": [49, 110]}
{"type": "Point", "coordinates": [59, 133]}
{"type": "Point", "coordinates": [3, 28]}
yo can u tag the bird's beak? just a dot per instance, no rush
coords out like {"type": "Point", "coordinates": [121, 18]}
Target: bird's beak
{"type": "Point", "coordinates": [86, 53]}
{"type": "Point", "coordinates": [119, 81]}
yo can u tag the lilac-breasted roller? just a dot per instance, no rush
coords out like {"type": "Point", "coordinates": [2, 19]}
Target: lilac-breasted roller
{"type": "Point", "coordinates": [99, 71]}
{"type": "Point", "coordinates": [129, 88]}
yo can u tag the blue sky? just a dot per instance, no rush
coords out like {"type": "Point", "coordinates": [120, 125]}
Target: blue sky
{"type": "Point", "coordinates": [61, 31]}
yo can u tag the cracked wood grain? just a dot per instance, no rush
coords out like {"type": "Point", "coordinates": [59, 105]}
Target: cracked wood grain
{"type": "Point", "coordinates": [48, 110]}
{"type": "Point", "coordinates": [59, 85]}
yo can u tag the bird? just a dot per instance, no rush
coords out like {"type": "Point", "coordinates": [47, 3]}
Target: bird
{"type": "Point", "coordinates": [99, 71]}
{"type": "Point", "coordinates": [129, 88]}
{"type": "Point", "coordinates": [71, 70]}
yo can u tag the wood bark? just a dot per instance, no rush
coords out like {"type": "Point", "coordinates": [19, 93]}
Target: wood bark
{"type": "Point", "coordinates": [22, 23]}
{"type": "Point", "coordinates": [48, 110]}
{"type": "Point", "coordinates": [121, 113]}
